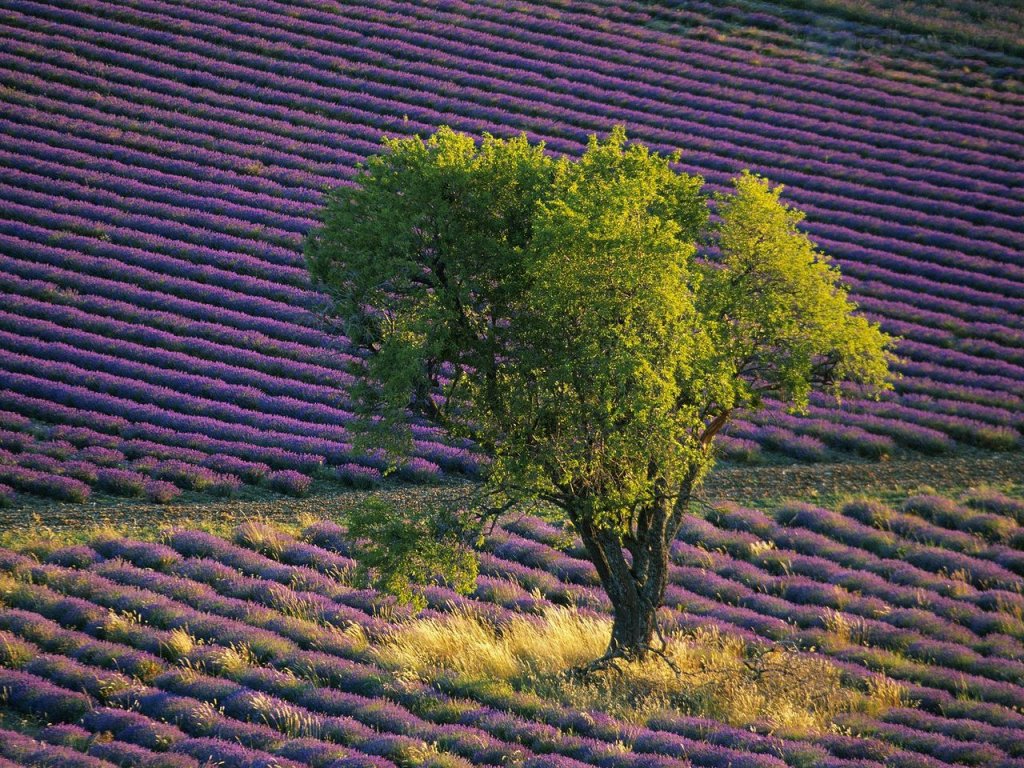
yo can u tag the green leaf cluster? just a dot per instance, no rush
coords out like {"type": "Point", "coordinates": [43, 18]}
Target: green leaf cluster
{"type": "Point", "coordinates": [774, 307]}
{"type": "Point", "coordinates": [400, 552]}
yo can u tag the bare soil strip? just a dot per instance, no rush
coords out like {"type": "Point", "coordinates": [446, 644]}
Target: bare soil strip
{"type": "Point", "coordinates": [765, 486]}
{"type": "Point", "coordinates": [808, 482]}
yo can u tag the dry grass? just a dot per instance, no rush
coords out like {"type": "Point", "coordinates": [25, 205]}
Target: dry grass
{"type": "Point", "coordinates": [466, 645]}
{"type": "Point", "coordinates": [720, 676]}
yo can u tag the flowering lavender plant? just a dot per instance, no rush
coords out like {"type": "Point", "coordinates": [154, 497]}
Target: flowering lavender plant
{"type": "Point", "coordinates": [288, 481]}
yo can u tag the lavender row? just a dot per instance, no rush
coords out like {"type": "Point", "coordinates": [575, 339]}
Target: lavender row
{"type": "Point", "coordinates": [949, 526]}
{"type": "Point", "coordinates": [565, 742]}
{"type": "Point", "coordinates": [239, 701]}
{"type": "Point", "coordinates": [998, 308]}
{"type": "Point", "coordinates": [544, 738]}
{"type": "Point", "coordinates": [148, 439]}
{"type": "Point", "coordinates": [250, 285]}
{"type": "Point", "coordinates": [688, 51]}
{"type": "Point", "coordinates": [592, 748]}
{"type": "Point", "coordinates": [156, 465]}
{"type": "Point", "coordinates": [959, 427]}
{"type": "Point", "coordinates": [309, 407]}
{"type": "Point", "coordinates": [160, 92]}
{"type": "Point", "coordinates": [86, 19]}
{"type": "Point", "coordinates": [142, 401]}
{"type": "Point", "coordinates": [175, 117]}
{"type": "Point", "coordinates": [35, 225]}
{"type": "Point", "coordinates": [105, 468]}
{"type": "Point", "coordinates": [186, 372]}
{"type": "Point", "coordinates": [147, 382]}
{"type": "Point", "coordinates": [981, 348]}
{"type": "Point", "coordinates": [904, 639]}
{"type": "Point", "coordinates": [116, 752]}
{"type": "Point", "coordinates": [224, 420]}
{"type": "Point", "coordinates": [927, 679]}
{"type": "Point", "coordinates": [489, 86]}
{"type": "Point", "coordinates": [990, 526]}
{"type": "Point", "coordinates": [225, 128]}
{"type": "Point", "coordinates": [38, 157]}
{"type": "Point", "coordinates": [382, 23]}
{"type": "Point", "coordinates": [174, 158]}
{"type": "Point", "coordinates": [332, 435]}
{"type": "Point", "coordinates": [806, 449]}
{"type": "Point", "coordinates": [249, 265]}
{"type": "Point", "coordinates": [915, 422]}
{"type": "Point", "coordinates": [300, 182]}
{"type": "Point", "coordinates": [330, 354]}
{"type": "Point", "coordinates": [845, 560]}
{"type": "Point", "coordinates": [228, 361]}
{"type": "Point", "coordinates": [808, 442]}
{"type": "Point", "coordinates": [31, 268]}
{"type": "Point", "coordinates": [811, 562]}
{"type": "Point", "coordinates": [187, 698]}
{"type": "Point", "coordinates": [28, 751]}
{"type": "Point", "coordinates": [963, 330]}
{"type": "Point", "coordinates": [831, 618]}
{"type": "Point", "coordinates": [901, 248]}
{"type": "Point", "coordinates": [284, 170]}
{"type": "Point", "coordinates": [916, 350]}
{"type": "Point", "coordinates": [219, 731]}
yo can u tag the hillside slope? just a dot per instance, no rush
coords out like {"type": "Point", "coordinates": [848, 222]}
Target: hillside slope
{"type": "Point", "coordinates": [259, 650]}
{"type": "Point", "coordinates": [161, 162]}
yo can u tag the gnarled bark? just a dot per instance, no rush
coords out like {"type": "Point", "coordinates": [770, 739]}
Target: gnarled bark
{"type": "Point", "coordinates": [635, 584]}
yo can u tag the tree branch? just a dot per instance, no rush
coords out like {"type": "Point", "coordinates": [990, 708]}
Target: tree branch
{"type": "Point", "coordinates": [712, 429]}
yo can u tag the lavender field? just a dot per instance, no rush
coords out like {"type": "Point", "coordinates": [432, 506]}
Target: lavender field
{"type": "Point", "coordinates": [256, 650]}
{"type": "Point", "coordinates": [161, 163]}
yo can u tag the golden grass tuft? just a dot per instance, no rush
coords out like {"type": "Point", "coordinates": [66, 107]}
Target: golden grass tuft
{"type": "Point", "coordinates": [121, 626]}
{"type": "Point", "coordinates": [720, 676]}
{"type": "Point", "coordinates": [466, 645]}
{"type": "Point", "coordinates": [179, 644]}
{"type": "Point", "coordinates": [233, 660]}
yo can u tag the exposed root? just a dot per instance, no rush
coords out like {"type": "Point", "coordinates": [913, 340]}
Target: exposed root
{"type": "Point", "coordinates": [614, 659]}
{"type": "Point", "coordinates": [611, 660]}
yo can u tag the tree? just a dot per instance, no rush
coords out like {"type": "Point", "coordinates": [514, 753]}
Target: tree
{"type": "Point", "coordinates": [585, 323]}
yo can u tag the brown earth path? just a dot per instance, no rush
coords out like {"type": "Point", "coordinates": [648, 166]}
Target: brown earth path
{"type": "Point", "coordinates": [764, 486]}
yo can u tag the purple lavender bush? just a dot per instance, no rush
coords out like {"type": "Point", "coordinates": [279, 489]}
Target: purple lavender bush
{"type": "Point", "coordinates": [121, 482]}
{"type": "Point", "coordinates": [43, 484]}
{"type": "Point", "coordinates": [250, 471]}
{"type": "Point", "coordinates": [288, 481]}
{"type": "Point", "coordinates": [358, 476]}
{"type": "Point", "coordinates": [185, 475]}
{"type": "Point", "coordinates": [104, 456]}
{"type": "Point", "coordinates": [161, 491]}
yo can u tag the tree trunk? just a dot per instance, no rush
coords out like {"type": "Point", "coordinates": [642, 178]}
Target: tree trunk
{"type": "Point", "coordinates": [633, 631]}
{"type": "Point", "coordinates": [636, 585]}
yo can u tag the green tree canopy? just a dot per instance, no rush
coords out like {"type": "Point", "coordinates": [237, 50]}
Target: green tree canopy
{"type": "Point", "coordinates": [586, 323]}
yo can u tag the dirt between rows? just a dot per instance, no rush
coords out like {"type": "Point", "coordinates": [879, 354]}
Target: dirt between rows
{"type": "Point", "coordinates": [770, 484]}
{"type": "Point", "coordinates": [765, 486]}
